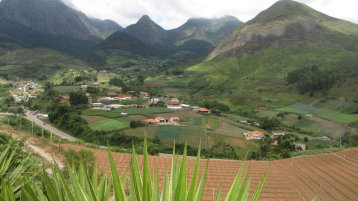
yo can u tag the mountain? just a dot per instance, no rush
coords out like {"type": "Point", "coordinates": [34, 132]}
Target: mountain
{"type": "Point", "coordinates": [105, 27]}
{"type": "Point", "coordinates": [211, 30]}
{"type": "Point", "coordinates": [147, 31]}
{"type": "Point", "coordinates": [145, 39]}
{"type": "Point", "coordinates": [53, 17]}
{"type": "Point", "coordinates": [252, 65]}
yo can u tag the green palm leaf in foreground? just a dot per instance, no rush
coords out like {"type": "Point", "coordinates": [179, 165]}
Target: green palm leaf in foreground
{"type": "Point", "coordinates": [142, 186]}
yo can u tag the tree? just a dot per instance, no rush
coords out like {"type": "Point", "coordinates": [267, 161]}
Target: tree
{"type": "Point", "coordinates": [305, 139]}
{"type": "Point", "coordinates": [78, 98]}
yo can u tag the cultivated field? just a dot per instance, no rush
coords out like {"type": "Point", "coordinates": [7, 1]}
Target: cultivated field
{"type": "Point", "coordinates": [331, 176]}
{"type": "Point", "coordinates": [109, 125]}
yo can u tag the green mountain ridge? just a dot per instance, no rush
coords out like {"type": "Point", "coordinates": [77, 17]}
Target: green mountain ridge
{"type": "Point", "coordinates": [250, 66]}
{"type": "Point", "coordinates": [192, 40]}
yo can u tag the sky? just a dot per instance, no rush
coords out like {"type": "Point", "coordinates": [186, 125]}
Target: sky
{"type": "Point", "coordinates": [173, 13]}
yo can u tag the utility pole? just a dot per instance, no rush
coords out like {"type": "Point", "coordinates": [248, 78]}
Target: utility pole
{"type": "Point", "coordinates": [340, 143]}
{"type": "Point", "coordinates": [32, 127]}
{"type": "Point", "coordinates": [42, 132]}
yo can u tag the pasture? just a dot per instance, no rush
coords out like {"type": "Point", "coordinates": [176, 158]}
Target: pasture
{"type": "Point", "coordinates": [331, 115]}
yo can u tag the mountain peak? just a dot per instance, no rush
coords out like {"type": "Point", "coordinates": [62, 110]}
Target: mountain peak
{"type": "Point", "coordinates": [145, 19]}
{"type": "Point", "coordinates": [285, 9]}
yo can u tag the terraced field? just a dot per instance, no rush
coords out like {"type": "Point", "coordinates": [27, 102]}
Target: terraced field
{"type": "Point", "coordinates": [331, 176]}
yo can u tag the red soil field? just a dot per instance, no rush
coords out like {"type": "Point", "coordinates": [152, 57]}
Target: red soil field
{"type": "Point", "coordinates": [332, 176]}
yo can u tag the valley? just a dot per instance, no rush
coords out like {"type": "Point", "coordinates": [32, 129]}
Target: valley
{"type": "Point", "coordinates": [279, 91]}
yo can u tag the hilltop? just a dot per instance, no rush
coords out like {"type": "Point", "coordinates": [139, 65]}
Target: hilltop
{"type": "Point", "coordinates": [251, 66]}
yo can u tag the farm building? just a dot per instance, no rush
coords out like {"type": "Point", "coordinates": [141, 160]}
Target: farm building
{"type": "Point", "coordinates": [174, 119]}
{"type": "Point", "coordinates": [174, 105]}
{"type": "Point", "coordinates": [149, 122]}
{"type": "Point", "coordinates": [97, 105]}
{"type": "Point", "coordinates": [204, 110]}
{"type": "Point", "coordinates": [161, 121]}
{"type": "Point", "coordinates": [154, 100]}
{"type": "Point", "coordinates": [115, 106]}
{"type": "Point", "coordinates": [194, 108]}
{"type": "Point", "coordinates": [276, 134]}
{"type": "Point", "coordinates": [254, 135]}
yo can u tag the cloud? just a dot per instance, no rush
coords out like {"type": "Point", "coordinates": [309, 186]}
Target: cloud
{"type": "Point", "coordinates": [173, 13]}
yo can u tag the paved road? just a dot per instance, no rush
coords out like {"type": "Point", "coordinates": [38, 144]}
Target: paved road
{"type": "Point", "coordinates": [50, 128]}
{"type": "Point", "coordinates": [45, 126]}
{"type": "Point", "coordinates": [53, 130]}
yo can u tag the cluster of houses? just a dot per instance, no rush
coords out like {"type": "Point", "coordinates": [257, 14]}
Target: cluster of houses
{"type": "Point", "coordinates": [172, 103]}
{"type": "Point", "coordinates": [161, 121]}
{"type": "Point", "coordinates": [258, 135]}
{"type": "Point", "coordinates": [25, 90]}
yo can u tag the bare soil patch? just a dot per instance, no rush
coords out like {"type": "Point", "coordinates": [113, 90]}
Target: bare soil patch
{"type": "Point", "coordinates": [92, 119]}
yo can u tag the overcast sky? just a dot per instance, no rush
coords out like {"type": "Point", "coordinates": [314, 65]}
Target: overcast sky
{"type": "Point", "coordinates": [172, 13]}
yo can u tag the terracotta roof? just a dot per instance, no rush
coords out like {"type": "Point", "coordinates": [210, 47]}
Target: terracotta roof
{"type": "Point", "coordinates": [173, 103]}
{"type": "Point", "coordinates": [123, 96]}
{"type": "Point", "coordinates": [150, 121]}
{"type": "Point", "coordinates": [175, 118]}
{"type": "Point", "coordinates": [204, 110]}
{"type": "Point", "coordinates": [158, 118]}
{"type": "Point", "coordinates": [255, 133]}
{"type": "Point", "coordinates": [296, 179]}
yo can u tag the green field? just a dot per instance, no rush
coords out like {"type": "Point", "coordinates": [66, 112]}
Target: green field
{"type": "Point", "coordinates": [323, 113]}
{"type": "Point", "coordinates": [66, 89]}
{"type": "Point", "coordinates": [195, 121]}
{"type": "Point", "coordinates": [182, 134]}
{"type": "Point", "coordinates": [109, 125]}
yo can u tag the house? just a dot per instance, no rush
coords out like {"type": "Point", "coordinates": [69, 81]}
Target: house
{"type": "Point", "coordinates": [174, 119]}
{"type": "Point", "coordinates": [174, 100]}
{"type": "Point", "coordinates": [194, 108]}
{"type": "Point", "coordinates": [123, 97]}
{"type": "Point", "coordinates": [161, 120]}
{"type": "Point", "coordinates": [276, 134]}
{"type": "Point", "coordinates": [154, 100]}
{"type": "Point", "coordinates": [254, 135]}
{"type": "Point", "coordinates": [106, 99]}
{"type": "Point", "coordinates": [97, 105]}
{"type": "Point", "coordinates": [185, 106]}
{"type": "Point", "coordinates": [144, 95]}
{"type": "Point", "coordinates": [308, 115]}
{"type": "Point", "coordinates": [124, 114]}
{"type": "Point", "coordinates": [149, 122]}
{"type": "Point", "coordinates": [115, 106]}
{"type": "Point", "coordinates": [174, 105]}
{"type": "Point", "coordinates": [42, 116]}
{"type": "Point", "coordinates": [300, 146]}
{"type": "Point", "coordinates": [204, 110]}
{"type": "Point", "coordinates": [84, 87]}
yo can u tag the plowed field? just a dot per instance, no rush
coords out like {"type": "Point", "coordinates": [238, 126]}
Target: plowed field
{"type": "Point", "coordinates": [331, 176]}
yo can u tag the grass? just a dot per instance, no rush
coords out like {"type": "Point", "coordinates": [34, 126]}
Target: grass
{"type": "Point", "coordinates": [66, 89]}
{"type": "Point", "coordinates": [195, 121]}
{"type": "Point", "coordinates": [323, 113]}
{"type": "Point", "coordinates": [109, 125]}
{"type": "Point", "coordinates": [244, 80]}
